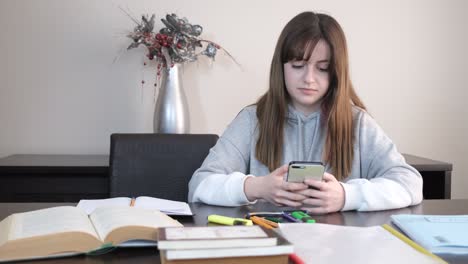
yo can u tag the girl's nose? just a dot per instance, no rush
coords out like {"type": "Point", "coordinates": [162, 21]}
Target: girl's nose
{"type": "Point", "coordinates": [309, 76]}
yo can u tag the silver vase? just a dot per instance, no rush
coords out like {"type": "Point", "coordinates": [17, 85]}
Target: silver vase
{"type": "Point", "coordinates": [171, 114]}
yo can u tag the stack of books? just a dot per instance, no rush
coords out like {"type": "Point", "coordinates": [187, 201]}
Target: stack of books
{"type": "Point", "coordinates": [222, 244]}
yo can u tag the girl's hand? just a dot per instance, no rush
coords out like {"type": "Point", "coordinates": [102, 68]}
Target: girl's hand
{"type": "Point", "coordinates": [324, 196]}
{"type": "Point", "coordinates": [275, 189]}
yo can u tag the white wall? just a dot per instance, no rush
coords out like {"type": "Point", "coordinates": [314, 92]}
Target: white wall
{"type": "Point", "coordinates": [60, 91]}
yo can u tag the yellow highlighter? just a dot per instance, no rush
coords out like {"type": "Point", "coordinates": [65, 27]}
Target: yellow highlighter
{"type": "Point", "coordinates": [224, 220]}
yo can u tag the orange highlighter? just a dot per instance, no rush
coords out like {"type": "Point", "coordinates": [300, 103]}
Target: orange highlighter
{"type": "Point", "coordinates": [263, 222]}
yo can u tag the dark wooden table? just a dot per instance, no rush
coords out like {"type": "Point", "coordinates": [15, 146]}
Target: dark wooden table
{"type": "Point", "coordinates": [201, 211]}
{"type": "Point", "coordinates": [69, 178]}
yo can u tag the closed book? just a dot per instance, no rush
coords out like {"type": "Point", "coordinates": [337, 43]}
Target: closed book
{"type": "Point", "coordinates": [215, 237]}
{"type": "Point", "coordinates": [440, 234]}
{"type": "Point", "coordinates": [282, 247]}
{"type": "Point", "coordinates": [276, 259]}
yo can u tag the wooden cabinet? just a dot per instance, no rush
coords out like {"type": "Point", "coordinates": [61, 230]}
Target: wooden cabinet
{"type": "Point", "coordinates": [69, 178]}
{"type": "Point", "coordinates": [53, 178]}
{"type": "Point", "coordinates": [437, 176]}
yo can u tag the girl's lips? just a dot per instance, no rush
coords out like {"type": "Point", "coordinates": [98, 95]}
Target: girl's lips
{"type": "Point", "coordinates": [308, 91]}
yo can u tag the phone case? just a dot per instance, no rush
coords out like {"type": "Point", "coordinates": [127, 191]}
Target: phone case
{"type": "Point", "coordinates": [298, 171]}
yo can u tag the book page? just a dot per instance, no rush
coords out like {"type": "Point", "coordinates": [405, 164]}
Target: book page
{"type": "Point", "coordinates": [138, 243]}
{"type": "Point", "coordinates": [89, 205]}
{"type": "Point", "coordinates": [166, 206]}
{"type": "Point", "coordinates": [214, 232]}
{"type": "Point", "coordinates": [4, 230]}
{"type": "Point", "coordinates": [106, 219]}
{"type": "Point", "coordinates": [49, 221]}
{"type": "Point", "coordinates": [323, 243]}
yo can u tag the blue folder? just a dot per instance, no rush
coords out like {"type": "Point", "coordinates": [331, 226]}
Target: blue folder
{"type": "Point", "coordinates": [440, 234]}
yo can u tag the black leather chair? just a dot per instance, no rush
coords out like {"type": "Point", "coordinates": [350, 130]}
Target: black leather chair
{"type": "Point", "coordinates": [157, 165]}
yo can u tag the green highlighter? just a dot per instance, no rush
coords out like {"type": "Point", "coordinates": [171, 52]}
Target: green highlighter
{"type": "Point", "coordinates": [301, 216]}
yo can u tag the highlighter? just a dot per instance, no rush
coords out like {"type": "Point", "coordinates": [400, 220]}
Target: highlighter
{"type": "Point", "coordinates": [299, 215]}
{"type": "Point", "coordinates": [224, 220]}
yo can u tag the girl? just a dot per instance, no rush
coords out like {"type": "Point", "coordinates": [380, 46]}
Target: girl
{"type": "Point", "coordinates": [310, 113]}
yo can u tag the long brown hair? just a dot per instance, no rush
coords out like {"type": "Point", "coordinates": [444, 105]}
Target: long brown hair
{"type": "Point", "coordinates": [296, 42]}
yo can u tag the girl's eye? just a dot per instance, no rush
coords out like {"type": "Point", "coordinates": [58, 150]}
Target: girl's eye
{"type": "Point", "coordinates": [323, 67]}
{"type": "Point", "coordinates": [297, 66]}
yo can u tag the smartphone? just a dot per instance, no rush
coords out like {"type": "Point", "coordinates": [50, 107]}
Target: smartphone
{"type": "Point", "coordinates": [298, 171]}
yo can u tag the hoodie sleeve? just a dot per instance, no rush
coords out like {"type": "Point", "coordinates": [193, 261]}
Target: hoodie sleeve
{"type": "Point", "coordinates": [220, 179]}
{"type": "Point", "coordinates": [386, 181]}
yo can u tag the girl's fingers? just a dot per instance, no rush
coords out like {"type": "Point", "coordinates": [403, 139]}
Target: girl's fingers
{"type": "Point", "coordinates": [315, 210]}
{"type": "Point", "coordinates": [329, 177]}
{"type": "Point", "coordinates": [312, 193]}
{"type": "Point", "coordinates": [312, 202]}
{"type": "Point", "coordinates": [290, 203]}
{"type": "Point", "coordinates": [319, 185]}
{"type": "Point", "coordinates": [294, 186]}
{"type": "Point", "coordinates": [290, 198]}
{"type": "Point", "coordinates": [281, 170]}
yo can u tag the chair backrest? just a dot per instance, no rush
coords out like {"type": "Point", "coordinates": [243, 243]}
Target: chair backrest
{"type": "Point", "coordinates": [157, 165]}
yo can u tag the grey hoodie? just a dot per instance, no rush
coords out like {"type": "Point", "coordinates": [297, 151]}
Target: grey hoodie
{"type": "Point", "coordinates": [380, 178]}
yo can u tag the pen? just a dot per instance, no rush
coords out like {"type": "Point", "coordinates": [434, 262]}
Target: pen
{"type": "Point", "coordinates": [224, 220]}
{"type": "Point", "coordinates": [289, 218]}
{"type": "Point", "coordinates": [263, 214]}
{"type": "Point", "coordinates": [261, 222]}
{"type": "Point", "coordinates": [273, 219]}
{"type": "Point", "coordinates": [302, 217]}
{"type": "Point", "coordinates": [272, 223]}
{"type": "Point", "coordinates": [296, 259]}
{"type": "Point", "coordinates": [132, 202]}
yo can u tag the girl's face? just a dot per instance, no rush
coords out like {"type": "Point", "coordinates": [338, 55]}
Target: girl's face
{"type": "Point", "coordinates": [307, 81]}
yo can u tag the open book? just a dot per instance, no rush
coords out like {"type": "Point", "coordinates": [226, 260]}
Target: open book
{"type": "Point", "coordinates": [166, 206]}
{"type": "Point", "coordinates": [68, 230]}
